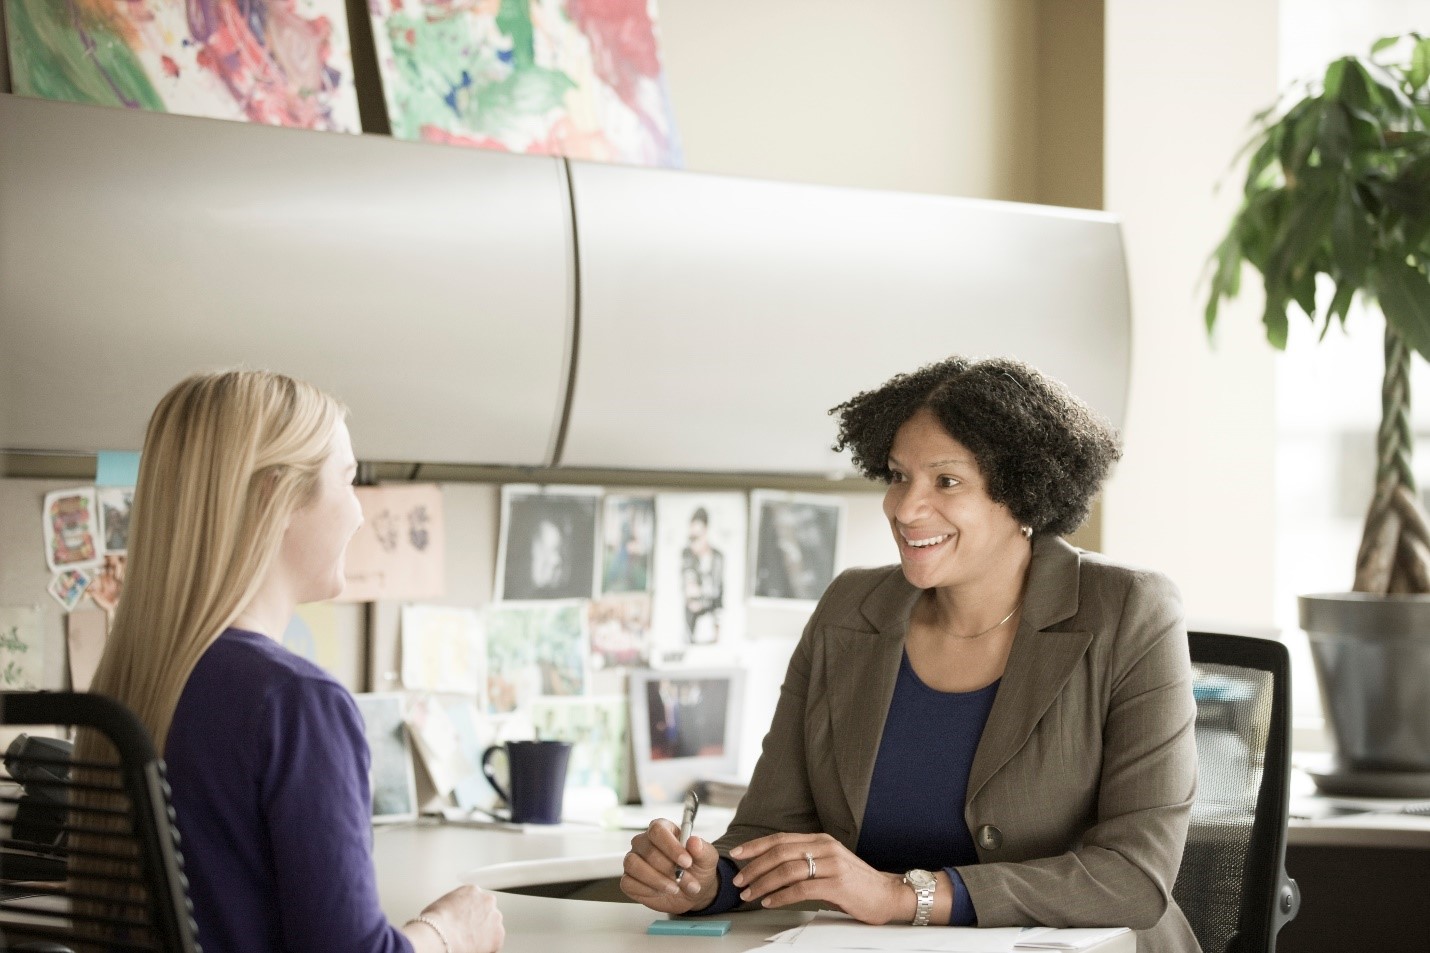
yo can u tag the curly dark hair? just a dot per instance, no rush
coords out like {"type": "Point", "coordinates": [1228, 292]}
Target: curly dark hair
{"type": "Point", "coordinates": [1042, 452]}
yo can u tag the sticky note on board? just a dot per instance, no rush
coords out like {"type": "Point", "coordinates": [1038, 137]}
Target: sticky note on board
{"type": "Point", "coordinates": [116, 468]}
{"type": "Point", "coordinates": [689, 927]}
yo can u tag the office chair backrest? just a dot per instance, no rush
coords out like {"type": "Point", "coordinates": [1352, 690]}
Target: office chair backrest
{"type": "Point", "coordinates": [86, 833]}
{"type": "Point", "coordinates": [1232, 884]}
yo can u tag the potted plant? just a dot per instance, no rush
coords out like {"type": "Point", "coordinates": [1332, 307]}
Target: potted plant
{"type": "Point", "coordinates": [1337, 207]}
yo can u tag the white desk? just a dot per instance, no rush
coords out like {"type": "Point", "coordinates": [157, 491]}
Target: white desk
{"type": "Point", "coordinates": [418, 863]}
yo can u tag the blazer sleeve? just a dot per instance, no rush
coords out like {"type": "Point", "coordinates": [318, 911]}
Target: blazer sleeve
{"type": "Point", "coordinates": [1122, 868]}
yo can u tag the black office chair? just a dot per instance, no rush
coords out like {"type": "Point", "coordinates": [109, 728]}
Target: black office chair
{"type": "Point", "coordinates": [1232, 884]}
{"type": "Point", "coordinates": [83, 833]}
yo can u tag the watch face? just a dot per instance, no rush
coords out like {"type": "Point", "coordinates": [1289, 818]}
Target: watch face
{"type": "Point", "coordinates": [919, 878]}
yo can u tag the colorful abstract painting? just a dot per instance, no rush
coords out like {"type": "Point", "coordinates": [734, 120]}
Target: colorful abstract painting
{"type": "Point", "coordinates": [279, 62]}
{"type": "Point", "coordinates": [579, 78]}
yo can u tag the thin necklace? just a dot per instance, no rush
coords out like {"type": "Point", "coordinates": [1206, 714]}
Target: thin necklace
{"type": "Point", "coordinates": [999, 623]}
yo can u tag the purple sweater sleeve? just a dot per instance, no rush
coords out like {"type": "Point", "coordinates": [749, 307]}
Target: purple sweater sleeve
{"type": "Point", "coordinates": [314, 785]}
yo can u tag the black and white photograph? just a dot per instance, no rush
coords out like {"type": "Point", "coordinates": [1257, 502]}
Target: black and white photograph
{"type": "Point", "coordinates": [685, 726]}
{"type": "Point", "coordinates": [547, 545]}
{"type": "Point", "coordinates": [795, 545]}
{"type": "Point", "coordinates": [394, 778]}
{"type": "Point", "coordinates": [700, 569]}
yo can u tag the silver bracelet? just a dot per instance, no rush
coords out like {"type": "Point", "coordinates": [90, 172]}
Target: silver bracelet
{"type": "Point", "coordinates": [424, 918]}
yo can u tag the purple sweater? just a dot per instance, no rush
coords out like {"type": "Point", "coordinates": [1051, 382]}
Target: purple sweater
{"type": "Point", "coordinates": [269, 767]}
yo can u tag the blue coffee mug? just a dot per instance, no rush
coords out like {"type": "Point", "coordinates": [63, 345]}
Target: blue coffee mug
{"type": "Point", "coordinates": [537, 773]}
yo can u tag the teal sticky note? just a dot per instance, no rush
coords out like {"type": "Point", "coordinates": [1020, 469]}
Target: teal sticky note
{"type": "Point", "coordinates": [116, 468]}
{"type": "Point", "coordinates": [689, 927]}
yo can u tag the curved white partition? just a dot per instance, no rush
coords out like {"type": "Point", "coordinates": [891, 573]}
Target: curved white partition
{"type": "Point", "coordinates": [427, 286]}
{"type": "Point", "coordinates": [722, 317]}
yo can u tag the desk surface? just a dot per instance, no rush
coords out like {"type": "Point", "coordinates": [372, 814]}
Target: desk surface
{"type": "Point", "coordinates": [418, 863]}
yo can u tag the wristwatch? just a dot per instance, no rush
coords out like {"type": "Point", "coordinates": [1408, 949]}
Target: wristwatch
{"type": "Point", "coordinates": [923, 883]}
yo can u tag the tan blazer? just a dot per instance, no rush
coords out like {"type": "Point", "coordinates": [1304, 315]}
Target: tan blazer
{"type": "Point", "coordinates": [1082, 785]}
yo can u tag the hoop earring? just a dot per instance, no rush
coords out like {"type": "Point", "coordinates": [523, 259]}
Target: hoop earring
{"type": "Point", "coordinates": [1027, 532]}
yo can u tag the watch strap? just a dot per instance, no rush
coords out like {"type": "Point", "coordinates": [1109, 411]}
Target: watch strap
{"type": "Point", "coordinates": [923, 896]}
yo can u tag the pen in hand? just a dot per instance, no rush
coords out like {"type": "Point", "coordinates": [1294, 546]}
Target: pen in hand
{"type": "Point", "coordinates": [687, 824]}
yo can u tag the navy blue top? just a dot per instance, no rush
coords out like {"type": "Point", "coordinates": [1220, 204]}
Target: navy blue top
{"type": "Point", "coordinates": [269, 767]}
{"type": "Point", "coordinates": [914, 815]}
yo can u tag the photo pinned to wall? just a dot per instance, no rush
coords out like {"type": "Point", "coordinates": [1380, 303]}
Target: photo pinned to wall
{"type": "Point", "coordinates": [620, 631]}
{"type": "Point", "coordinates": [68, 587]}
{"type": "Point", "coordinates": [394, 780]}
{"type": "Point", "coordinates": [627, 543]}
{"type": "Point", "coordinates": [685, 727]}
{"type": "Point", "coordinates": [699, 609]}
{"type": "Point", "coordinates": [547, 545]}
{"type": "Point", "coordinates": [795, 544]}
{"type": "Point", "coordinates": [399, 552]}
{"type": "Point", "coordinates": [534, 650]}
{"type": "Point", "coordinates": [71, 529]}
{"type": "Point", "coordinates": [443, 649]}
{"type": "Point", "coordinates": [22, 663]}
{"type": "Point", "coordinates": [450, 736]}
{"type": "Point", "coordinates": [597, 728]}
{"type": "Point", "coordinates": [115, 503]}
{"type": "Point", "coordinates": [108, 583]}
{"type": "Point", "coordinates": [276, 63]}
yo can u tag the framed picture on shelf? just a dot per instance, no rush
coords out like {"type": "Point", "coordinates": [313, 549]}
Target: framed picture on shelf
{"type": "Point", "coordinates": [394, 779]}
{"type": "Point", "coordinates": [685, 726]}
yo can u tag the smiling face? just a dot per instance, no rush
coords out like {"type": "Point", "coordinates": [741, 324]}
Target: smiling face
{"type": "Point", "coordinates": [949, 531]}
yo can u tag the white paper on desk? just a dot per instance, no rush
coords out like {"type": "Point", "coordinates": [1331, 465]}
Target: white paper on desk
{"type": "Point", "coordinates": [844, 934]}
{"type": "Point", "coordinates": [1047, 938]}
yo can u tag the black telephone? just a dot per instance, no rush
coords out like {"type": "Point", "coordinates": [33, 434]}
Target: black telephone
{"type": "Point", "coordinates": [40, 766]}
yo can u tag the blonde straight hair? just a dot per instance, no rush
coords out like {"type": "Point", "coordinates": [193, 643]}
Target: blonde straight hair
{"type": "Point", "coordinates": [228, 457]}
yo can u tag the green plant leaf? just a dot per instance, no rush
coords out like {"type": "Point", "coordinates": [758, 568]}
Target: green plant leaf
{"type": "Point", "coordinates": [1307, 224]}
{"type": "Point", "coordinates": [1331, 84]}
{"type": "Point", "coordinates": [1384, 43]}
{"type": "Point", "coordinates": [1340, 304]}
{"type": "Point", "coordinates": [1352, 242]}
{"type": "Point", "coordinates": [1404, 295]}
{"type": "Point", "coordinates": [1274, 319]}
{"type": "Point", "coordinates": [1419, 66]}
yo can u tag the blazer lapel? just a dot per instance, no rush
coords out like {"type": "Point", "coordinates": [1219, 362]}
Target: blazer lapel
{"type": "Point", "coordinates": [1040, 661]}
{"type": "Point", "coordinates": [863, 667]}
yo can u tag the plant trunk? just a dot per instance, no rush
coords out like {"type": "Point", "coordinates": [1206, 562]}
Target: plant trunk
{"type": "Point", "coordinates": [1395, 550]}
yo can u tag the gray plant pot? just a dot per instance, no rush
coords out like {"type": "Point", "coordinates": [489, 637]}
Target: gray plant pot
{"type": "Point", "coordinates": [1372, 656]}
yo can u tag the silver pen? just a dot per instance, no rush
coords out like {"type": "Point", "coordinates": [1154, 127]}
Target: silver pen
{"type": "Point", "coordinates": [687, 824]}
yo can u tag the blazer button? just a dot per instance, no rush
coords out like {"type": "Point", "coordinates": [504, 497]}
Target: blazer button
{"type": "Point", "coordinates": [990, 837]}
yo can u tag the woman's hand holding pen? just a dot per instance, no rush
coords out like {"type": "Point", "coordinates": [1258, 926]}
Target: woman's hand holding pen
{"type": "Point", "coordinates": [649, 871]}
{"type": "Point", "coordinates": [781, 869]}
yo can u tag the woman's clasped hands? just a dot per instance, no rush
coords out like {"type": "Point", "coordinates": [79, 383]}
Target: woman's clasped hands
{"type": "Point", "coordinates": [778, 870]}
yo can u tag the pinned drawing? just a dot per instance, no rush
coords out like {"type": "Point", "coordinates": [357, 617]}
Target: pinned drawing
{"type": "Point", "coordinates": [276, 62]}
{"type": "Point", "coordinates": [578, 78]}
{"type": "Point", "coordinates": [399, 552]}
{"type": "Point", "coordinates": [21, 661]}
{"type": "Point", "coordinates": [71, 525]}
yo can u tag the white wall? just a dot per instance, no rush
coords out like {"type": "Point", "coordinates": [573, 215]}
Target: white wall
{"type": "Point", "coordinates": [918, 95]}
{"type": "Point", "coordinates": [1193, 496]}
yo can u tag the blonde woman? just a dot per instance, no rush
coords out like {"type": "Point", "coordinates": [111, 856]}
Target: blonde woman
{"type": "Point", "coordinates": [243, 510]}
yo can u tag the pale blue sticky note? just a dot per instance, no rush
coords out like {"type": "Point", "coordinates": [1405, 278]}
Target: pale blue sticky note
{"type": "Point", "coordinates": [117, 468]}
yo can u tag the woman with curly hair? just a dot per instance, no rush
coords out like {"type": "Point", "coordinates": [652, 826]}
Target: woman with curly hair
{"type": "Point", "coordinates": [999, 730]}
